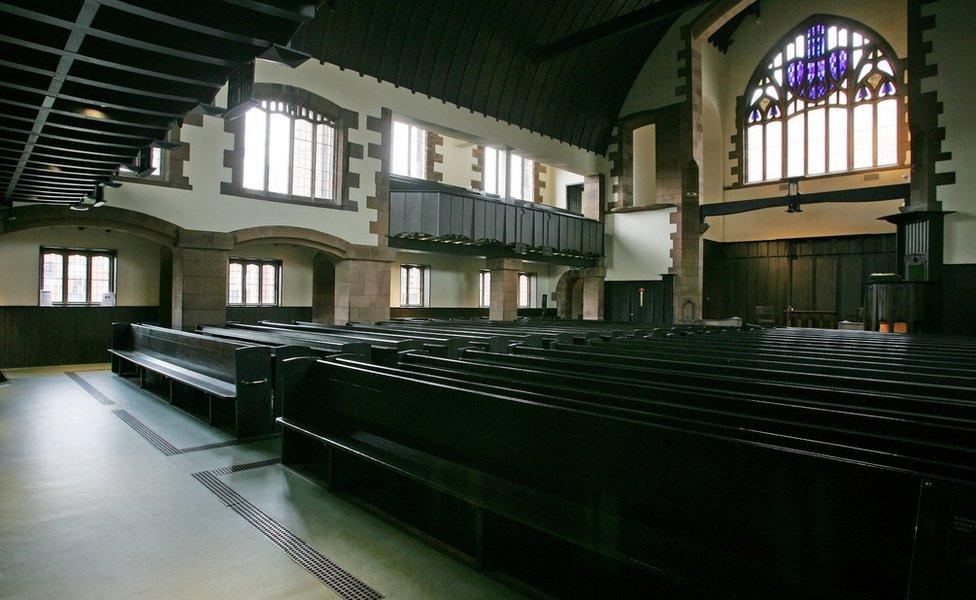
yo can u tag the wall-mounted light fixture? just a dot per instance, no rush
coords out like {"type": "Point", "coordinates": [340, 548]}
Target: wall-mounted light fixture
{"type": "Point", "coordinates": [793, 196]}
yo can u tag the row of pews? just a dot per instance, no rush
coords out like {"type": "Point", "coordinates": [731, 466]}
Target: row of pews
{"type": "Point", "coordinates": [592, 459]}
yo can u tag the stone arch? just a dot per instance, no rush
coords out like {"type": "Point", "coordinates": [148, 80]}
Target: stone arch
{"type": "Point", "coordinates": [334, 246]}
{"type": "Point", "coordinates": [565, 296]}
{"type": "Point", "coordinates": [23, 218]}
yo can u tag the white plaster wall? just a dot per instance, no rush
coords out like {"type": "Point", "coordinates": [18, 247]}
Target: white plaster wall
{"type": "Point", "coordinates": [955, 54]}
{"type": "Point", "coordinates": [296, 269]}
{"type": "Point", "coordinates": [205, 208]}
{"type": "Point", "coordinates": [816, 220]}
{"type": "Point", "coordinates": [655, 83]}
{"type": "Point", "coordinates": [638, 245]}
{"type": "Point", "coordinates": [137, 280]}
{"type": "Point", "coordinates": [458, 160]}
{"type": "Point", "coordinates": [556, 181]}
{"type": "Point", "coordinates": [454, 278]}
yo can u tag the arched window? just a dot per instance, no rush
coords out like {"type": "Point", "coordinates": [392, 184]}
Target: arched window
{"type": "Point", "coordinates": [290, 150]}
{"type": "Point", "coordinates": [826, 99]}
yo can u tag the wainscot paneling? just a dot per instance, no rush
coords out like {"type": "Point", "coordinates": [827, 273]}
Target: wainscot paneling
{"type": "Point", "coordinates": [808, 274]}
{"type": "Point", "coordinates": [458, 312]}
{"type": "Point", "coordinates": [639, 301]}
{"type": "Point", "coordinates": [278, 314]}
{"type": "Point", "coordinates": [32, 336]}
{"type": "Point", "coordinates": [959, 299]}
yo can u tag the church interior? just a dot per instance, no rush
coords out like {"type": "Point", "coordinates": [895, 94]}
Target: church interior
{"type": "Point", "coordinates": [444, 299]}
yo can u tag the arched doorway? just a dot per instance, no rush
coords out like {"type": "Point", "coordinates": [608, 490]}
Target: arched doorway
{"type": "Point", "coordinates": [569, 295]}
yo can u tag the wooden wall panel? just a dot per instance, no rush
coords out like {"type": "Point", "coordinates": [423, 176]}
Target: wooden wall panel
{"type": "Point", "coordinates": [959, 299]}
{"type": "Point", "coordinates": [278, 314]}
{"type": "Point", "coordinates": [32, 336]}
{"type": "Point", "coordinates": [812, 274]}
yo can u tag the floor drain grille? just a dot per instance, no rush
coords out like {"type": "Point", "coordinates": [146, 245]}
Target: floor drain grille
{"type": "Point", "coordinates": [342, 582]}
{"type": "Point", "coordinates": [92, 390]}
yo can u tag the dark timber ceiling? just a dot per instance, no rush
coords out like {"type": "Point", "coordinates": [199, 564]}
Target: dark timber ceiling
{"type": "Point", "coordinates": [561, 68]}
{"type": "Point", "coordinates": [87, 85]}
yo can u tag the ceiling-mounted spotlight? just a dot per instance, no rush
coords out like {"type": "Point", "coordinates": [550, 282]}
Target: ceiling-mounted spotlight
{"type": "Point", "coordinates": [136, 170]}
{"type": "Point", "coordinates": [98, 196]}
{"type": "Point", "coordinates": [80, 206]}
{"type": "Point", "coordinates": [286, 56]}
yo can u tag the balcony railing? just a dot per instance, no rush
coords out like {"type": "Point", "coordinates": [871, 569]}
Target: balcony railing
{"type": "Point", "coordinates": [434, 212]}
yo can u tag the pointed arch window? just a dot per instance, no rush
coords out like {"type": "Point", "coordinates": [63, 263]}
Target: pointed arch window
{"type": "Point", "coordinates": [827, 99]}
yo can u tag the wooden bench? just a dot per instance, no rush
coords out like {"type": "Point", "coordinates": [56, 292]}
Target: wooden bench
{"type": "Point", "coordinates": [226, 383]}
{"type": "Point", "coordinates": [751, 506]}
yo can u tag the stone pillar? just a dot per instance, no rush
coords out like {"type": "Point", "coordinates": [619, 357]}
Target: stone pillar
{"type": "Point", "coordinates": [594, 193]}
{"type": "Point", "coordinates": [323, 288]}
{"type": "Point", "coordinates": [362, 285]}
{"type": "Point", "coordinates": [199, 288]}
{"type": "Point", "coordinates": [504, 288]}
{"type": "Point", "coordinates": [593, 279]}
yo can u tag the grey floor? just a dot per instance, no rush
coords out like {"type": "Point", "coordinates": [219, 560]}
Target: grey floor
{"type": "Point", "coordinates": [89, 509]}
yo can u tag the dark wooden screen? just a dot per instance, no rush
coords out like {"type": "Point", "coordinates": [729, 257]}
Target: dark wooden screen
{"type": "Point", "coordinates": [809, 274]}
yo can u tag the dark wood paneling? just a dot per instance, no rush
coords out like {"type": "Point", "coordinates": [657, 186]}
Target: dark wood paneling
{"type": "Point", "coordinates": [959, 299]}
{"type": "Point", "coordinates": [458, 312]}
{"type": "Point", "coordinates": [32, 336]}
{"type": "Point", "coordinates": [808, 274]}
{"type": "Point", "coordinates": [622, 301]}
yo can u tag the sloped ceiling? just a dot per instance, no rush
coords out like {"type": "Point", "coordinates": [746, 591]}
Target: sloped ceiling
{"type": "Point", "coordinates": [561, 68]}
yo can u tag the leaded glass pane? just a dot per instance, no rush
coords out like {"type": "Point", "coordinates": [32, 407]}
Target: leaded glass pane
{"type": "Point", "coordinates": [101, 274]}
{"type": "Point", "coordinates": [53, 276]}
{"type": "Point", "coordinates": [255, 132]}
{"type": "Point", "coordinates": [235, 283]}
{"type": "Point", "coordinates": [77, 278]}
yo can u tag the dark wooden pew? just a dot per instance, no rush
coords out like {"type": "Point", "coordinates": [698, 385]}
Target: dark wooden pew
{"type": "Point", "coordinates": [730, 504]}
{"type": "Point", "coordinates": [226, 383]}
{"type": "Point", "coordinates": [380, 351]}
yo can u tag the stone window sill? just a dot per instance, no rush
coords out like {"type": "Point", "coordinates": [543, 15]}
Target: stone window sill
{"type": "Point", "coordinates": [232, 190]}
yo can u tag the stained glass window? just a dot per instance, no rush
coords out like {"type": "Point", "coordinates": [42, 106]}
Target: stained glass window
{"type": "Point", "coordinates": [826, 100]}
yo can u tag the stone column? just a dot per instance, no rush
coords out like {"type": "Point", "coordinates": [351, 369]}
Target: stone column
{"type": "Point", "coordinates": [593, 194]}
{"type": "Point", "coordinates": [199, 289]}
{"type": "Point", "coordinates": [593, 279]}
{"type": "Point", "coordinates": [323, 289]}
{"type": "Point", "coordinates": [362, 285]}
{"type": "Point", "coordinates": [504, 288]}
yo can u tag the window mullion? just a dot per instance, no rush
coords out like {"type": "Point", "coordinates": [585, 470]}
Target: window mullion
{"type": "Point", "coordinates": [267, 148]}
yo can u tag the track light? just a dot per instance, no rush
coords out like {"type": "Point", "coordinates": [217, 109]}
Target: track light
{"type": "Point", "coordinates": [136, 169]}
{"type": "Point", "coordinates": [98, 195]}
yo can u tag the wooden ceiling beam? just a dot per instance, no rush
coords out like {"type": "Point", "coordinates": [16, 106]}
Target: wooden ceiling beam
{"type": "Point", "coordinates": [652, 13]}
{"type": "Point", "coordinates": [112, 64]}
{"type": "Point", "coordinates": [85, 17]}
{"type": "Point", "coordinates": [304, 11]}
{"type": "Point", "coordinates": [184, 24]}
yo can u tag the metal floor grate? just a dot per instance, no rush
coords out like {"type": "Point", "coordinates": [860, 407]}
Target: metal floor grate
{"type": "Point", "coordinates": [155, 440]}
{"type": "Point", "coordinates": [92, 390]}
{"type": "Point", "coordinates": [342, 582]}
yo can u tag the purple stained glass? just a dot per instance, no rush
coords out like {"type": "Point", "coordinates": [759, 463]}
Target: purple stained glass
{"type": "Point", "coordinates": [887, 88]}
{"type": "Point", "coordinates": [818, 74]}
{"type": "Point", "coordinates": [755, 116]}
{"type": "Point", "coordinates": [774, 111]}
